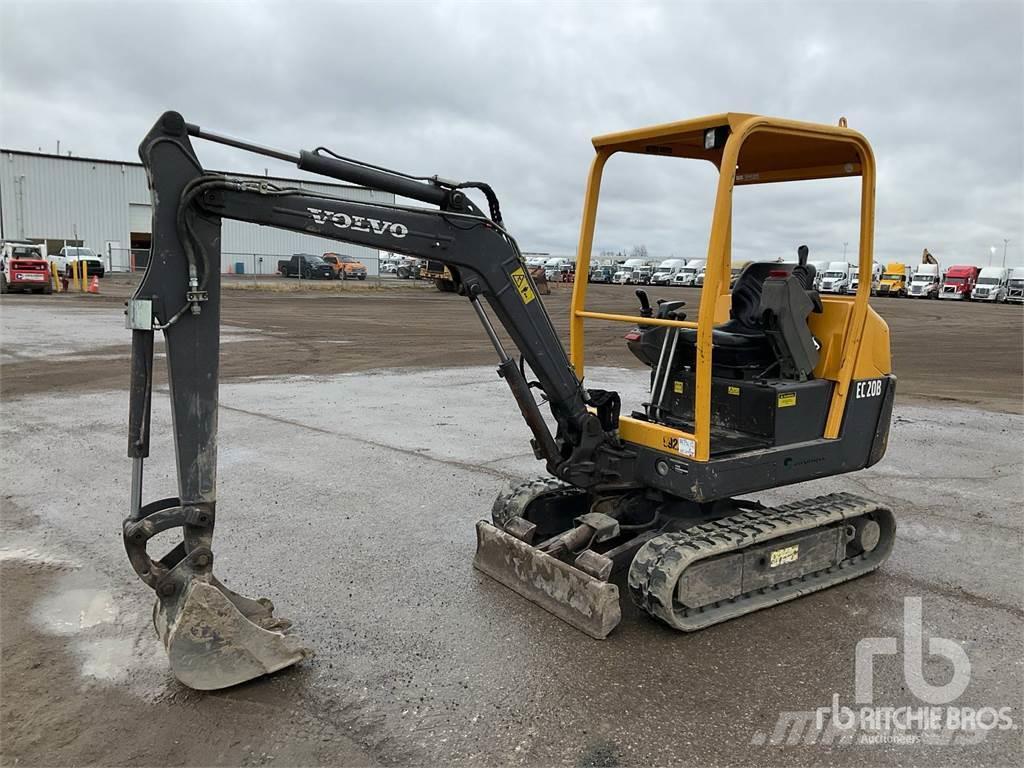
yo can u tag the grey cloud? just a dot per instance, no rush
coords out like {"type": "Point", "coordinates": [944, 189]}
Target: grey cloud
{"type": "Point", "coordinates": [512, 93]}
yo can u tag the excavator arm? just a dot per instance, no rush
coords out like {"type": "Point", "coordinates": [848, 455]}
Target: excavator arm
{"type": "Point", "coordinates": [214, 636]}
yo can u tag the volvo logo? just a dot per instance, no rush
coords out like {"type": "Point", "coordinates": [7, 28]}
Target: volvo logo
{"type": "Point", "coordinates": [359, 223]}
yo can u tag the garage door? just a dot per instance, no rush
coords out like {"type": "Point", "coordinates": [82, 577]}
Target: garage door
{"type": "Point", "coordinates": [140, 217]}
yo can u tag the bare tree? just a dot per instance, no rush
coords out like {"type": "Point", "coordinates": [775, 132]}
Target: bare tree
{"type": "Point", "coordinates": [639, 252]}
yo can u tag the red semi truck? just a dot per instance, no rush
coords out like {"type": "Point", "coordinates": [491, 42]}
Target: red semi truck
{"type": "Point", "coordinates": [959, 282]}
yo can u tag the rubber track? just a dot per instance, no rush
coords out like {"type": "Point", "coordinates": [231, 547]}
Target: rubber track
{"type": "Point", "coordinates": [658, 565]}
{"type": "Point", "coordinates": [514, 500]}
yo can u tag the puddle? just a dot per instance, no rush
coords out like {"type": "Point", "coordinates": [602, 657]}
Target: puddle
{"type": "Point", "coordinates": [112, 642]}
{"type": "Point", "coordinates": [70, 611]}
{"type": "Point", "coordinates": [103, 638]}
{"type": "Point", "coordinates": [109, 659]}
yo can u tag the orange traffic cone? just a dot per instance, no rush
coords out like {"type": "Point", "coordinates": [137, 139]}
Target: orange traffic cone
{"type": "Point", "coordinates": [94, 285]}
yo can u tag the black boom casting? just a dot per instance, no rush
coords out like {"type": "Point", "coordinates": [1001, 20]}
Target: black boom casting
{"type": "Point", "coordinates": [180, 295]}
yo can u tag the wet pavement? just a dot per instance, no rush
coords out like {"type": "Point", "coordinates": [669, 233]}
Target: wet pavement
{"type": "Point", "coordinates": [350, 501]}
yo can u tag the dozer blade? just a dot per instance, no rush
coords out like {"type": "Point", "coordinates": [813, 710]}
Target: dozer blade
{"type": "Point", "coordinates": [212, 644]}
{"type": "Point", "coordinates": [577, 598]}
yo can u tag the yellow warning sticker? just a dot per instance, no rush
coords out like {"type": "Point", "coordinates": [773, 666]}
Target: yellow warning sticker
{"type": "Point", "coordinates": [522, 283]}
{"type": "Point", "coordinates": [677, 387]}
{"type": "Point", "coordinates": [786, 399]}
{"type": "Point", "coordinates": [734, 390]}
{"type": "Point", "coordinates": [785, 555]}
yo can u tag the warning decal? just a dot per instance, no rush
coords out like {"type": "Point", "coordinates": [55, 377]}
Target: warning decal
{"type": "Point", "coordinates": [787, 399]}
{"type": "Point", "coordinates": [522, 283]}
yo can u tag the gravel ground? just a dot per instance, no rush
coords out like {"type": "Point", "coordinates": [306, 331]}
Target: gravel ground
{"type": "Point", "coordinates": [348, 494]}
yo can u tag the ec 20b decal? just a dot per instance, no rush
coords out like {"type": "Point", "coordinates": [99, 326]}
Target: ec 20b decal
{"type": "Point", "coordinates": [870, 388]}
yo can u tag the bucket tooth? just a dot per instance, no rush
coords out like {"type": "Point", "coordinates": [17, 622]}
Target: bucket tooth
{"type": "Point", "coordinates": [576, 597]}
{"type": "Point", "coordinates": [212, 644]}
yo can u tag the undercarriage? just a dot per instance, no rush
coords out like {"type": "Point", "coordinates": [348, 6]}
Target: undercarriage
{"type": "Point", "coordinates": [689, 565]}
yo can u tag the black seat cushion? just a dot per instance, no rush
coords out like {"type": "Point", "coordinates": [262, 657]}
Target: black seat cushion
{"type": "Point", "coordinates": [735, 346]}
{"type": "Point", "coordinates": [740, 342]}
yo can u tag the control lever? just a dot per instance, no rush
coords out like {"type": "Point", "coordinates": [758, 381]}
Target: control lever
{"type": "Point", "coordinates": [645, 303]}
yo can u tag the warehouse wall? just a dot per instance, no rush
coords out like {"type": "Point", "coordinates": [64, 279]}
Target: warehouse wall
{"type": "Point", "coordinates": [48, 197]}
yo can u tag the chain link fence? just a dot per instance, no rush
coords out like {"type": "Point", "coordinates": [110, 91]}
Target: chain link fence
{"type": "Point", "coordinates": [257, 266]}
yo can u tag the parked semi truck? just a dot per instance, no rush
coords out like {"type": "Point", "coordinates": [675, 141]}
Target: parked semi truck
{"type": "Point", "coordinates": [643, 275]}
{"type": "Point", "coordinates": [1015, 286]}
{"type": "Point", "coordinates": [688, 274]}
{"type": "Point", "coordinates": [836, 278]}
{"type": "Point", "coordinates": [820, 268]}
{"type": "Point", "coordinates": [927, 278]}
{"type": "Point", "coordinates": [698, 279]}
{"type": "Point", "coordinates": [876, 277]}
{"type": "Point", "coordinates": [895, 279]}
{"type": "Point", "coordinates": [991, 285]}
{"type": "Point", "coordinates": [554, 267]}
{"type": "Point", "coordinates": [626, 270]}
{"type": "Point", "coordinates": [666, 271]}
{"type": "Point", "coordinates": [959, 282]}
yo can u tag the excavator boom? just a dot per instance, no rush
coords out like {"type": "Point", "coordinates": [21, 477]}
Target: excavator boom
{"type": "Point", "coordinates": [214, 636]}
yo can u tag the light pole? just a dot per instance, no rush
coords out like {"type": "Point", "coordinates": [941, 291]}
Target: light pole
{"type": "Point", "coordinates": [1006, 242]}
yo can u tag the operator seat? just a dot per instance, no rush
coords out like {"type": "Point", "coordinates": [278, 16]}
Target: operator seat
{"type": "Point", "coordinates": [764, 330]}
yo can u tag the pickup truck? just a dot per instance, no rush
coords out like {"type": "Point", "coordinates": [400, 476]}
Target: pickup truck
{"type": "Point", "coordinates": [306, 266]}
{"type": "Point", "coordinates": [23, 266]}
{"type": "Point", "coordinates": [346, 267]}
{"type": "Point", "coordinates": [71, 253]}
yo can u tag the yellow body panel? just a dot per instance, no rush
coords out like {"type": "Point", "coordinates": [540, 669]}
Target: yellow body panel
{"type": "Point", "coordinates": [656, 436]}
{"type": "Point", "coordinates": [830, 329]}
{"type": "Point", "coordinates": [753, 150]}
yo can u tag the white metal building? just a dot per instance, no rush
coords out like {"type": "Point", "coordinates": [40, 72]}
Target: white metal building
{"type": "Point", "coordinates": [105, 205]}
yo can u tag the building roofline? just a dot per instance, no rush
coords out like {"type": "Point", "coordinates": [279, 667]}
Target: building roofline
{"type": "Point", "coordinates": [81, 159]}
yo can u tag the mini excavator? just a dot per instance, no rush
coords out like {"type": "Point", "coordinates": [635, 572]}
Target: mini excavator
{"type": "Point", "coordinates": [771, 385]}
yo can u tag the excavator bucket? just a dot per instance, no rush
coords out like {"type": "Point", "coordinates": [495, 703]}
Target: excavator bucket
{"type": "Point", "coordinates": [216, 638]}
{"type": "Point", "coordinates": [576, 597]}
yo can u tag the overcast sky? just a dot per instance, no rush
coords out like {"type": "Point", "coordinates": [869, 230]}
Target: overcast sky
{"type": "Point", "coordinates": [511, 94]}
